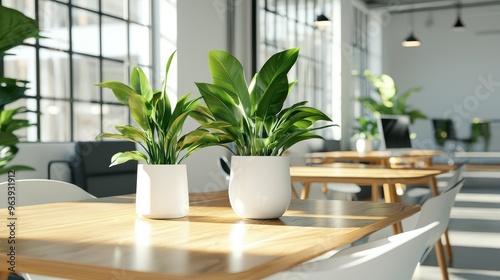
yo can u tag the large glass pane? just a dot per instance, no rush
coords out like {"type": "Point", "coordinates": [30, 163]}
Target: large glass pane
{"type": "Point", "coordinates": [85, 76]}
{"type": "Point", "coordinates": [26, 7]}
{"type": "Point", "coordinates": [85, 32]}
{"type": "Point", "coordinates": [89, 4]}
{"type": "Point", "coordinates": [117, 8]}
{"type": "Point", "coordinates": [114, 38]}
{"type": "Point", "coordinates": [21, 65]}
{"type": "Point", "coordinates": [54, 24]}
{"type": "Point", "coordinates": [113, 71]}
{"type": "Point", "coordinates": [54, 121]}
{"type": "Point", "coordinates": [140, 11]}
{"type": "Point", "coordinates": [86, 125]}
{"type": "Point", "coordinates": [140, 48]}
{"type": "Point", "coordinates": [54, 74]}
{"type": "Point", "coordinates": [113, 115]}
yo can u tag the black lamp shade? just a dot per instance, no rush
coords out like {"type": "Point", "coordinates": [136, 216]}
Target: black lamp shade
{"type": "Point", "coordinates": [411, 41]}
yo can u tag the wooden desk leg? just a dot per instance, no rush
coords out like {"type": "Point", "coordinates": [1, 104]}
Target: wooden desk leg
{"type": "Point", "coordinates": [4, 275]}
{"type": "Point", "coordinates": [438, 247]}
{"type": "Point", "coordinates": [375, 193]}
{"type": "Point", "coordinates": [294, 192]}
{"type": "Point", "coordinates": [305, 191]}
{"type": "Point", "coordinates": [390, 196]}
{"type": "Point", "coordinates": [433, 186]}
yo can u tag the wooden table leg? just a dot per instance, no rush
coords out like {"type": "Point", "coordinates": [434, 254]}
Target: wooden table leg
{"type": "Point", "coordinates": [375, 193]}
{"type": "Point", "coordinates": [4, 275]}
{"type": "Point", "coordinates": [391, 196]}
{"type": "Point", "coordinates": [438, 247]}
{"type": "Point", "coordinates": [305, 191]}
{"type": "Point", "coordinates": [294, 192]}
{"type": "Point", "coordinates": [434, 188]}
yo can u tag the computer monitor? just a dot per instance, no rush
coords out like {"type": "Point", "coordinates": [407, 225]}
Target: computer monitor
{"type": "Point", "coordinates": [394, 132]}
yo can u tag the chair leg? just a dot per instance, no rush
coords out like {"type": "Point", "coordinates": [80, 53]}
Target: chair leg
{"type": "Point", "coordinates": [449, 253]}
{"type": "Point", "coordinates": [438, 247]}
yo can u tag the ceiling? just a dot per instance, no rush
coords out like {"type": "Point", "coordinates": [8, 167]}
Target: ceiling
{"type": "Point", "coordinates": [404, 6]}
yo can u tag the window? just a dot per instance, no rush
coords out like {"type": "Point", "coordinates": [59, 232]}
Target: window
{"type": "Point", "coordinates": [86, 42]}
{"type": "Point", "coordinates": [287, 24]}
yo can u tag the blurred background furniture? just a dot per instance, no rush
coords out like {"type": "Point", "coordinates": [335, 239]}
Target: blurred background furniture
{"type": "Point", "coordinates": [91, 171]}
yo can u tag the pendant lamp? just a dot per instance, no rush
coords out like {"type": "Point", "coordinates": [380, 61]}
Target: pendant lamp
{"type": "Point", "coordinates": [411, 40]}
{"type": "Point", "coordinates": [459, 26]}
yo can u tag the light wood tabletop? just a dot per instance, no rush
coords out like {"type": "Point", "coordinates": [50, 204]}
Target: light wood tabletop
{"type": "Point", "coordinates": [376, 157]}
{"type": "Point", "coordinates": [374, 177]}
{"type": "Point", "coordinates": [104, 239]}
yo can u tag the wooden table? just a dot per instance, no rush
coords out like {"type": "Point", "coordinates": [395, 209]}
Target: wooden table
{"type": "Point", "coordinates": [104, 239]}
{"type": "Point", "coordinates": [374, 177]}
{"type": "Point", "coordinates": [375, 157]}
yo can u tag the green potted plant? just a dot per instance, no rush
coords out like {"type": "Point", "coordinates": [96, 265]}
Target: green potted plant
{"type": "Point", "coordinates": [162, 187]}
{"type": "Point", "coordinates": [389, 101]}
{"type": "Point", "coordinates": [365, 132]}
{"type": "Point", "coordinates": [251, 117]}
{"type": "Point", "coordinates": [15, 27]}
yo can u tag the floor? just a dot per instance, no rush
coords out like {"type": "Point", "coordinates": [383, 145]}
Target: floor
{"type": "Point", "coordinates": [474, 232]}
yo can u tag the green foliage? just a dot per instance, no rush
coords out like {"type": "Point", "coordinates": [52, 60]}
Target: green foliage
{"type": "Point", "coordinates": [252, 116]}
{"type": "Point", "coordinates": [481, 129]}
{"type": "Point", "coordinates": [14, 29]}
{"type": "Point", "coordinates": [160, 125]}
{"type": "Point", "coordinates": [366, 128]}
{"type": "Point", "coordinates": [389, 101]}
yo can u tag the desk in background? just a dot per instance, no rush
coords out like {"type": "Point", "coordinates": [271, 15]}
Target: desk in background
{"type": "Point", "coordinates": [104, 239]}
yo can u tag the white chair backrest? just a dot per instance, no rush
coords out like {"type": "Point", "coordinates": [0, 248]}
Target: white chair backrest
{"type": "Point", "coordinates": [370, 260]}
{"type": "Point", "coordinates": [437, 209]}
{"type": "Point", "coordinates": [41, 191]}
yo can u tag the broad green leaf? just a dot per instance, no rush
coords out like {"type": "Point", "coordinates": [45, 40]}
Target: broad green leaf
{"type": "Point", "coordinates": [132, 132]}
{"type": "Point", "coordinates": [273, 98]}
{"type": "Point", "coordinates": [11, 90]}
{"type": "Point", "coordinates": [121, 91]}
{"type": "Point", "coordinates": [227, 73]}
{"type": "Point", "coordinates": [279, 64]}
{"type": "Point", "coordinates": [8, 139]}
{"type": "Point", "coordinates": [220, 103]}
{"type": "Point", "coordinates": [116, 136]}
{"type": "Point", "coordinates": [123, 157]}
{"type": "Point", "coordinates": [15, 27]}
{"type": "Point", "coordinates": [139, 111]}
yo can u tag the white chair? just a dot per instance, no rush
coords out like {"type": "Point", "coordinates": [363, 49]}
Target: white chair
{"type": "Point", "coordinates": [42, 191]}
{"type": "Point", "coordinates": [392, 258]}
{"type": "Point", "coordinates": [437, 208]}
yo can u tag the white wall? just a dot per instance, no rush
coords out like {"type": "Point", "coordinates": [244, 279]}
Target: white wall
{"type": "Point", "coordinates": [458, 71]}
{"type": "Point", "coordinates": [201, 27]}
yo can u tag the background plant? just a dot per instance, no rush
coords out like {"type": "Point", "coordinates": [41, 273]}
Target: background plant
{"type": "Point", "coordinates": [160, 125]}
{"type": "Point", "coordinates": [252, 115]}
{"type": "Point", "coordinates": [388, 100]}
{"type": "Point", "coordinates": [15, 27]}
{"type": "Point", "coordinates": [366, 128]}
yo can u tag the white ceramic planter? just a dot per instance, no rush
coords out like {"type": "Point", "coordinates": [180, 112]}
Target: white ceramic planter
{"type": "Point", "coordinates": [364, 145]}
{"type": "Point", "coordinates": [259, 186]}
{"type": "Point", "coordinates": [162, 191]}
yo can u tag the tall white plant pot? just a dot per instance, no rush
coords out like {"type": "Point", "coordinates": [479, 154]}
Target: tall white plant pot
{"type": "Point", "coordinates": [259, 186]}
{"type": "Point", "coordinates": [162, 191]}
